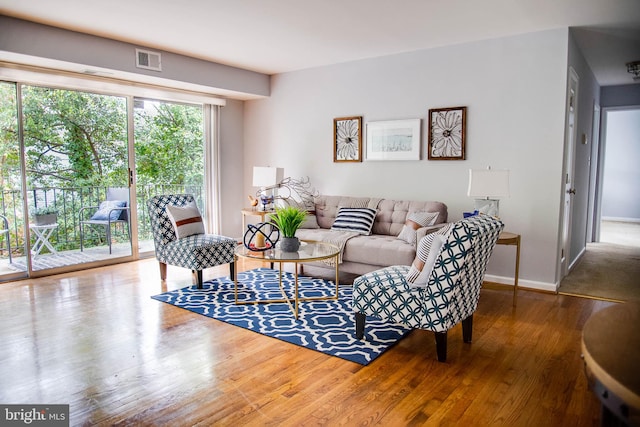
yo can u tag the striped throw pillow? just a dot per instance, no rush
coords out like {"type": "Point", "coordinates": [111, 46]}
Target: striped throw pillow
{"type": "Point", "coordinates": [359, 220]}
{"type": "Point", "coordinates": [426, 255]}
{"type": "Point", "coordinates": [415, 221]}
{"type": "Point", "coordinates": [186, 220]}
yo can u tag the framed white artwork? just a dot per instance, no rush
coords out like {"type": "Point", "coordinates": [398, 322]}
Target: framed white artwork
{"type": "Point", "coordinates": [393, 140]}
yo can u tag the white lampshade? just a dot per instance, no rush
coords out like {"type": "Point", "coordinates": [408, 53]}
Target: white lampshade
{"type": "Point", "coordinates": [488, 183]}
{"type": "Point", "coordinates": [266, 176]}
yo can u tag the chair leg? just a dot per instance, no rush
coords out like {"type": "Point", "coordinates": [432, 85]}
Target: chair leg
{"type": "Point", "coordinates": [199, 278]}
{"type": "Point", "coordinates": [163, 271]}
{"type": "Point", "coordinates": [81, 237]}
{"type": "Point", "coordinates": [441, 346]}
{"type": "Point", "coordinates": [9, 246]}
{"type": "Point", "coordinates": [109, 236]}
{"type": "Point", "coordinates": [232, 270]}
{"type": "Point", "coordinates": [360, 321]}
{"type": "Point", "coordinates": [467, 329]}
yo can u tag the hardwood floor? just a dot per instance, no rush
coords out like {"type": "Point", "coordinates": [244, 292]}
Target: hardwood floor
{"type": "Point", "coordinates": [97, 341]}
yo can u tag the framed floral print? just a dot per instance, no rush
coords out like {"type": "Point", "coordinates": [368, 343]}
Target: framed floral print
{"type": "Point", "coordinates": [347, 139]}
{"type": "Point", "coordinates": [447, 129]}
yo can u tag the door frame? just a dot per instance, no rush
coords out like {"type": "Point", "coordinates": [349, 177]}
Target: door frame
{"type": "Point", "coordinates": [602, 149]}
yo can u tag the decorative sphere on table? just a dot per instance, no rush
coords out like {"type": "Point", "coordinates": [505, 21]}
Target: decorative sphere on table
{"type": "Point", "coordinates": [261, 237]}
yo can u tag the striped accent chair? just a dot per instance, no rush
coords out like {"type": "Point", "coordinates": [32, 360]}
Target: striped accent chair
{"type": "Point", "coordinates": [452, 291]}
{"type": "Point", "coordinates": [197, 251]}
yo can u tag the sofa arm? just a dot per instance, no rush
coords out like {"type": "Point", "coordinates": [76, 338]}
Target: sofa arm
{"type": "Point", "coordinates": [423, 231]}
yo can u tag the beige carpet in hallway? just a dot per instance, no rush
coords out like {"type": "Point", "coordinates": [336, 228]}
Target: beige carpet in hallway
{"type": "Point", "coordinates": [609, 269]}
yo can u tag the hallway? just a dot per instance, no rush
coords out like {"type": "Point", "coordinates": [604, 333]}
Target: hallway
{"type": "Point", "coordinates": [609, 269]}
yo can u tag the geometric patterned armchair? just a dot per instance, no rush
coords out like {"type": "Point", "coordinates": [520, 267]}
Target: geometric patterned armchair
{"type": "Point", "coordinates": [196, 252]}
{"type": "Point", "coordinates": [452, 290]}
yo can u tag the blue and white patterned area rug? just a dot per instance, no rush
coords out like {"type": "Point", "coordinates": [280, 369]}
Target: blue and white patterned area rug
{"type": "Point", "coordinates": [325, 326]}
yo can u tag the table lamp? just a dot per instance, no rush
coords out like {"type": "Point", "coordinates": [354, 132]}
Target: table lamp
{"type": "Point", "coordinates": [487, 185]}
{"type": "Point", "coordinates": [267, 178]}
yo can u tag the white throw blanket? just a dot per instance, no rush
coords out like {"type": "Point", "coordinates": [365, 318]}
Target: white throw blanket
{"type": "Point", "coordinates": [335, 237]}
{"type": "Point", "coordinates": [339, 239]}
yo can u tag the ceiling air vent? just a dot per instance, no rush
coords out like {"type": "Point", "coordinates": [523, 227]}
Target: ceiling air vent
{"type": "Point", "coordinates": [148, 60]}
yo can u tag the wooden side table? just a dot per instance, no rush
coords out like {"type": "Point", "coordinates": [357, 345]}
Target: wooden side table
{"type": "Point", "coordinates": [507, 238]}
{"type": "Point", "coordinates": [253, 212]}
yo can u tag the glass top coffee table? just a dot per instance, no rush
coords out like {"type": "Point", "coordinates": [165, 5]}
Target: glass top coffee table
{"type": "Point", "coordinates": [309, 251]}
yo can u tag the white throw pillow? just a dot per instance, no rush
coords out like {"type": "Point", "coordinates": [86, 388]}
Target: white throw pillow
{"type": "Point", "coordinates": [415, 221]}
{"type": "Point", "coordinates": [186, 220]}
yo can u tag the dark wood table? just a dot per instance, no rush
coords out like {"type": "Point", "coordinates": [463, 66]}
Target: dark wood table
{"type": "Point", "coordinates": [611, 352]}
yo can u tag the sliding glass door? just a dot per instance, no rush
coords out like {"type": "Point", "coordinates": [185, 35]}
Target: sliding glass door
{"type": "Point", "coordinates": [75, 146]}
{"type": "Point", "coordinates": [77, 168]}
{"type": "Point", "coordinates": [169, 156]}
{"type": "Point", "coordinates": [12, 207]}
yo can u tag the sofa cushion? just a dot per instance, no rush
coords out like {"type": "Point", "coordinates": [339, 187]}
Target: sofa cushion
{"type": "Point", "coordinates": [378, 250]}
{"type": "Point", "coordinates": [415, 221]}
{"type": "Point", "coordinates": [359, 220]}
{"type": "Point", "coordinates": [310, 221]}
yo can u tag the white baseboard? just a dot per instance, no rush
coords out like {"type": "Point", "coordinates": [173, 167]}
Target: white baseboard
{"type": "Point", "coordinates": [522, 284]}
{"type": "Point", "coordinates": [619, 219]}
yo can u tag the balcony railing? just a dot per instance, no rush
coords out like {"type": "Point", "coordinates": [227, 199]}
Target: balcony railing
{"type": "Point", "coordinates": [68, 202]}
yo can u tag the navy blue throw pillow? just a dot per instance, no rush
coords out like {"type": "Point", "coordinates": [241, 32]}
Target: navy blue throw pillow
{"type": "Point", "coordinates": [104, 211]}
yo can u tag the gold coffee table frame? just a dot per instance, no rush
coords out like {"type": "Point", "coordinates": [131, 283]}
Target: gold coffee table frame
{"type": "Point", "coordinates": [309, 251]}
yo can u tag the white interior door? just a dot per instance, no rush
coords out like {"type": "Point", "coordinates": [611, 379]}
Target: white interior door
{"type": "Point", "coordinates": [569, 190]}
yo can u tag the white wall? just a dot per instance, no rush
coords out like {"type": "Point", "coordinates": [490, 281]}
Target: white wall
{"type": "Point", "coordinates": [231, 161]}
{"type": "Point", "coordinates": [514, 89]}
{"type": "Point", "coordinates": [29, 42]}
{"type": "Point", "coordinates": [621, 179]}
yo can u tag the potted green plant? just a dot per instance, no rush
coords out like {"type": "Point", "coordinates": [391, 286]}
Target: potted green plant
{"type": "Point", "coordinates": [45, 215]}
{"type": "Point", "coordinates": [288, 219]}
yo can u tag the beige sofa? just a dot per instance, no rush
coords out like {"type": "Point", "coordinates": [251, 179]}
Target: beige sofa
{"type": "Point", "coordinates": [382, 248]}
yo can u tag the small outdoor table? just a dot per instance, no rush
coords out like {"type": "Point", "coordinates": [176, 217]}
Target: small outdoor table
{"type": "Point", "coordinates": [42, 232]}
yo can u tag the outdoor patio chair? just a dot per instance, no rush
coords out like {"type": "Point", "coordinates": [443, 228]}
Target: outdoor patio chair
{"type": "Point", "coordinates": [114, 210]}
{"type": "Point", "coordinates": [450, 291]}
{"type": "Point", "coordinates": [5, 231]}
{"type": "Point", "coordinates": [176, 245]}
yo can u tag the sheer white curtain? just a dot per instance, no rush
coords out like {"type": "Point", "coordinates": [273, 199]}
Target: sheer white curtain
{"type": "Point", "coordinates": [212, 167]}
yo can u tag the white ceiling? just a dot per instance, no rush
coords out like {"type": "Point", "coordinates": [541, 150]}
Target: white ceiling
{"type": "Point", "coordinates": [285, 35]}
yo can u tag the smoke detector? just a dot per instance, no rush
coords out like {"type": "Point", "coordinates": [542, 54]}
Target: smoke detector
{"type": "Point", "coordinates": [148, 60]}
